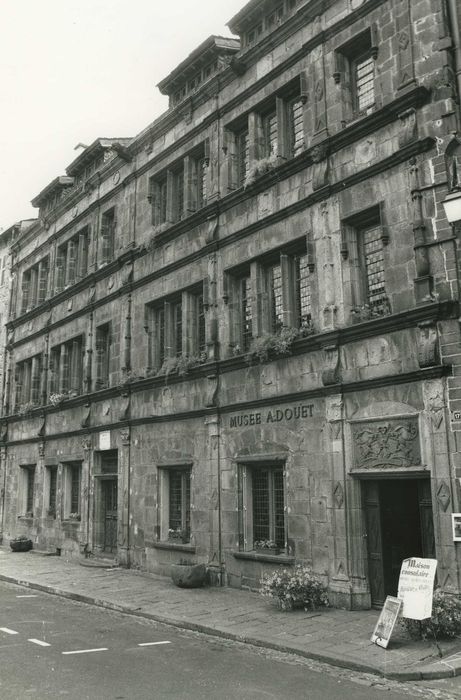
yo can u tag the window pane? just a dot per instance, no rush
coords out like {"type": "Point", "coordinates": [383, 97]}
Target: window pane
{"type": "Point", "coordinates": [275, 290]}
{"type": "Point", "coordinates": [364, 83]}
{"type": "Point", "coordinates": [201, 343]}
{"type": "Point", "coordinates": [260, 492]}
{"type": "Point", "coordinates": [179, 186]}
{"type": "Point", "coordinates": [160, 330]}
{"type": "Point", "coordinates": [296, 127]}
{"type": "Point", "coordinates": [278, 506]}
{"type": "Point", "coordinates": [52, 494]}
{"type": "Point", "coordinates": [175, 501]}
{"type": "Point", "coordinates": [303, 291]}
{"type": "Point", "coordinates": [270, 134]}
{"type": "Point", "coordinates": [246, 317]}
{"type": "Point", "coordinates": [243, 155]}
{"type": "Point", "coordinates": [374, 268]}
{"type": "Point", "coordinates": [75, 489]}
{"type": "Point", "coordinates": [202, 167]}
{"type": "Point", "coordinates": [177, 315]}
{"type": "Point", "coordinates": [30, 474]}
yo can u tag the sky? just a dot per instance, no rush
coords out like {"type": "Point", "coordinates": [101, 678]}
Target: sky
{"type": "Point", "coordinates": [75, 70]}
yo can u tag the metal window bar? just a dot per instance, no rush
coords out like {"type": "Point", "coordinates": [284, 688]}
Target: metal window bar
{"type": "Point", "coordinates": [201, 339]}
{"type": "Point", "coordinates": [302, 291]}
{"type": "Point", "coordinates": [296, 126]}
{"type": "Point", "coordinates": [246, 315]}
{"type": "Point", "coordinates": [243, 157]}
{"type": "Point", "coordinates": [75, 478]}
{"type": "Point", "coordinates": [373, 254]}
{"type": "Point", "coordinates": [364, 73]}
{"type": "Point", "coordinates": [30, 475]}
{"type": "Point", "coordinates": [177, 315]}
{"type": "Point", "coordinates": [276, 305]}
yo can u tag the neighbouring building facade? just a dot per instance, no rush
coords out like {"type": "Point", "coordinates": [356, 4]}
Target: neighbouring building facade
{"type": "Point", "coordinates": [234, 338]}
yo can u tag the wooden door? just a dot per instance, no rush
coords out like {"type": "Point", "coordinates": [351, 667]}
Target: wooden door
{"type": "Point", "coordinates": [110, 498]}
{"type": "Point", "coordinates": [374, 542]}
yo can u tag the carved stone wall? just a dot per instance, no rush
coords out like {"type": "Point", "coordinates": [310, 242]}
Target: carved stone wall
{"type": "Point", "coordinates": [386, 444]}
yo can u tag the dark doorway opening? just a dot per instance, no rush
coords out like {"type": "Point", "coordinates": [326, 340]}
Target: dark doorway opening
{"type": "Point", "coordinates": [109, 496]}
{"type": "Point", "coordinates": [399, 524]}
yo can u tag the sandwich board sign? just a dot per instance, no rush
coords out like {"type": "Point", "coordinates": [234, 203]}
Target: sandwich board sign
{"type": "Point", "coordinates": [386, 621]}
{"type": "Point", "coordinates": [416, 586]}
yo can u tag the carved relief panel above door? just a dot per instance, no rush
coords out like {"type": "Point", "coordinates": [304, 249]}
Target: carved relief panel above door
{"type": "Point", "coordinates": [386, 444]}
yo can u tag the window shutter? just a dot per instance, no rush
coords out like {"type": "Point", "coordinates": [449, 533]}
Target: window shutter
{"type": "Point", "coordinates": [33, 287]}
{"type": "Point", "coordinates": [42, 280]}
{"type": "Point", "coordinates": [190, 176]}
{"type": "Point", "coordinates": [25, 286]}
{"type": "Point", "coordinates": [60, 262]}
{"type": "Point", "coordinates": [71, 262]}
{"type": "Point", "coordinates": [76, 366]}
{"type": "Point", "coordinates": [106, 235]}
{"type": "Point", "coordinates": [288, 300]}
{"type": "Point", "coordinates": [303, 87]}
{"type": "Point", "coordinates": [18, 385]}
{"type": "Point", "coordinates": [35, 384]}
{"type": "Point", "coordinates": [83, 254]}
{"type": "Point", "coordinates": [64, 368]}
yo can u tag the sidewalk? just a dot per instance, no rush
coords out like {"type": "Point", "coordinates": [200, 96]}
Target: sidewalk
{"type": "Point", "coordinates": [337, 637]}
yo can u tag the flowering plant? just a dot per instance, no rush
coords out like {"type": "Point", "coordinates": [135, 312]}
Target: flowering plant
{"type": "Point", "coordinates": [445, 620]}
{"type": "Point", "coordinates": [74, 516]}
{"type": "Point", "coordinates": [265, 544]}
{"type": "Point", "coordinates": [178, 534]}
{"type": "Point", "coordinates": [294, 588]}
{"type": "Point", "coordinates": [58, 397]}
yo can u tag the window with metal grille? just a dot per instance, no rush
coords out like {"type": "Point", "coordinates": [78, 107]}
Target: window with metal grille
{"type": "Point", "coordinates": [363, 73]}
{"type": "Point", "coordinates": [75, 480]}
{"type": "Point", "coordinates": [373, 261]}
{"type": "Point", "coordinates": [179, 504]}
{"type": "Point", "coordinates": [295, 126]}
{"type": "Point", "coordinates": [29, 473]}
{"type": "Point", "coordinates": [274, 277]}
{"type": "Point", "coordinates": [243, 156]}
{"type": "Point", "coordinates": [267, 490]}
{"type": "Point", "coordinates": [270, 134]}
{"type": "Point", "coordinates": [52, 490]}
{"type": "Point", "coordinates": [302, 291]}
{"type": "Point", "coordinates": [246, 313]}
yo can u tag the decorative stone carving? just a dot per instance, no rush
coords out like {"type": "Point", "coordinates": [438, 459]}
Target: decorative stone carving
{"type": "Point", "coordinates": [331, 365]}
{"type": "Point", "coordinates": [443, 496]}
{"type": "Point", "coordinates": [125, 436]}
{"type": "Point", "coordinates": [127, 273]}
{"type": "Point", "coordinates": [408, 132]}
{"type": "Point", "coordinates": [211, 390]}
{"type": "Point", "coordinates": [434, 401]}
{"type": "Point", "coordinates": [87, 444]}
{"type": "Point", "coordinates": [212, 231]}
{"type": "Point", "coordinates": [86, 419]}
{"type": "Point", "coordinates": [428, 347]}
{"type": "Point", "coordinates": [386, 444]}
{"type": "Point", "coordinates": [124, 409]}
{"type": "Point", "coordinates": [338, 494]}
{"type": "Point", "coordinates": [41, 450]}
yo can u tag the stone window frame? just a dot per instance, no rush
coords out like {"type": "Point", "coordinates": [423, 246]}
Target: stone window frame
{"type": "Point", "coordinates": [354, 269]}
{"type": "Point", "coordinates": [50, 492]}
{"type": "Point", "coordinates": [72, 259]}
{"type": "Point", "coordinates": [26, 490]}
{"type": "Point", "coordinates": [28, 378]}
{"type": "Point", "coordinates": [165, 470]}
{"type": "Point", "coordinates": [72, 489]}
{"type": "Point", "coordinates": [271, 19]}
{"type": "Point", "coordinates": [246, 467]}
{"type": "Point", "coordinates": [106, 248]}
{"type": "Point", "coordinates": [66, 361]}
{"type": "Point", "coordinates": [362, 45]}
{"type": "Point", "coordinates": [161, 326]}
{"type": "Point", "coordinates": [260, 298]}
{"type": "Point", "coordinates": [168, 204]}
{"type": "Point", "coordinates": [34, 284]}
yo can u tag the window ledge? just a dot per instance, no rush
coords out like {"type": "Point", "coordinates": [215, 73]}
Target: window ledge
{"type": "Point", "coordinates": [177, 547]}
{"type": "Point", "coordinates": [71, 521]}
{"type": "Point", "coordinates": [271, 558]}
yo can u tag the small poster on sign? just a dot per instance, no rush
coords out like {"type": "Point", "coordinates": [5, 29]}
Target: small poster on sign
{"type": "Point", "coordinates": [416, 587]}
{"type": "Point", "coordinates": [386, 621]}
{"type": "Point", "coordinates": [456, 522]}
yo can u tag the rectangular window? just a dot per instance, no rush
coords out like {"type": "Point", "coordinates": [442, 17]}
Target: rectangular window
{"type": "Point", "coordinates": [295, 112]}
{"type": "Point", "coordinates": [72, 473]}
{"type": "Point", "coordinates": [274, 282]}
{"type": "Point", "coordinates": [158, 196]}
{"type": "Point", "coordinates": [52, 477]}
{"type": "Point", "coordinates": [363, 79]}
{"type": "Point", "coordinates": [270, 134]}
{"type": "Point", "coordinates": [28, 378]}
{"type": "Point", "coordinates": [107, 242]}
{"type": "Point", "coordinates": [246, 319]}
{"type": "Point", "coordinates": [178, 183]}
{"type": "Point", "coordinates": [179, 504]}
{"type": "Point", "coordinates": [66, 368]}
{"type": "Point", "coordinates": [177, 328]}
{"type": "Point", "coordinates": [261, 505]}
{"type": "Point", "coordinates": [372, 250]}
{"type": "Point", "coordinates": [302, 292]}
{"type": "Point", "coordinates": [72, 260]}
{"type": "Point", "coordinates": [202, 166]}
{"type": "Point", "coordinates": [34, 285]}
{"type": "Point", "coordinates": [103, 355]}
{"type": "Point", "coordinates": [27, 490]}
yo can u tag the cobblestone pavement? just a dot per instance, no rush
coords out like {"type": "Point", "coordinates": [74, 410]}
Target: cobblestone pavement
{"type": "Point", "coordinates": [337, 637]}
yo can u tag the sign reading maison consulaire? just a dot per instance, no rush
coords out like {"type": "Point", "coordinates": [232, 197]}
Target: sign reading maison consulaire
{"type": "Point", "coordinates": [272, 415]}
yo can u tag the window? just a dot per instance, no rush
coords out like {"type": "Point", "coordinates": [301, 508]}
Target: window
{"type": "Point", "coordinates": [72, 474]}
{"type": "Point", "coordinates": [253, 34]}
{"type": "Point", "coordinates": [274, 282]}
{"type": "Point", "coordinates": [372, 251]}
{"type": "Point", "coordinates": [34, 285]}
{"type": "Point", "coordinates": [243, 156]}
{"type": "Point", "coordinates": [295, 120]}
{"type": "Point", "coordinates": [103, 355]}
{"type": "Point", "coordinates": [51, 490]}
{"type": "Point", "coordinates": [175, 504]}
{"type": "Point", "coordinates": [28, 381]}
{"type": "Point", "coordinates": [270, 134]}
{"type": "Point", "coordinates": [26, 490]}
{"type": "Point", "coordinates": [107, 243]}
{"type": "Point", "coordinates": [66, 368]}
{"type": "Point", "coordinates": [261, 505]}
{"type": "Point", "coordinates": [178, 194]}
{"type": "Point", "coordinates": [363, 78]}
{"type": "Point", "coordinates": [176, 327]}
{"type": "Point", "coordinates": [72, 260]}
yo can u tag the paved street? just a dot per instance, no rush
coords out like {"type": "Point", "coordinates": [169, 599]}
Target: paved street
{"type": "Point", "coordinates": [52, 647]}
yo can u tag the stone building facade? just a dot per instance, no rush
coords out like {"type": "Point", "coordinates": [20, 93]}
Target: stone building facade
{"type": "Point", "coordinates": [234, 338]}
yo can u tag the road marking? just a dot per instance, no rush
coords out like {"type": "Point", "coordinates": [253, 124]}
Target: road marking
{"type": "Point", "coordinates": [84, 651]}
{"type": "Point", "coordinates": [39, 642]}
{"type": "Point", "coordinates": [152, 644]}
{"type": "Point", "coordinates": [26, 596]}
{"type": "Point", "coordinates": [7, 630]}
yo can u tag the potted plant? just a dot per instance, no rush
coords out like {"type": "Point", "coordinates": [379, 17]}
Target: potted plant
{"type": "Point", "coordinates": [178, 535]}
{"type": "Point", "coordinates": [186, 574]}
{"type": "Point", "coordinates": [267, 547]}
{"type": "Point", "coordinates": [294, 588]}
{"type": "Point", "coordinates": [21, 544]}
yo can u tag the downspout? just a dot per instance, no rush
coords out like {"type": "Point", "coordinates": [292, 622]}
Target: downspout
{"type": "Point", "coordinates": [455, 34]}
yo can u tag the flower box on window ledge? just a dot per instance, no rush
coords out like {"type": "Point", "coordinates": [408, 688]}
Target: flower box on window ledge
{"type": "Point", "coordinates": [259, 168]}
{"type": "Point", "coordinates": [367, 312]}
{"type": "Point", "coordinates": [74, 516]}
{"type": "Point", "coordinates": [21, 544]}
{"type": "Point", "coordinates": [59, 397]}
{"type": "Point", "coordinates": [178, 536]}
{"type": "Point", "coordinates": [266, 547]}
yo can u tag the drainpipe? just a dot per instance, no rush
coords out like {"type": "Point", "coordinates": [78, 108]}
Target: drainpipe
{"type": "Point", "coordinates": [455, 34]}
